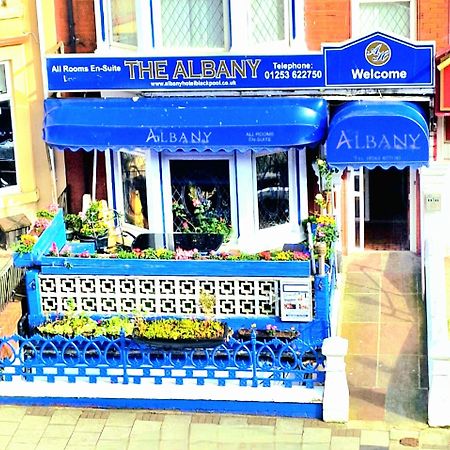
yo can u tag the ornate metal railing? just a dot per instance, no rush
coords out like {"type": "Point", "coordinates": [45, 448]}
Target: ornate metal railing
{"type": "Point", "coordinates": [250, 363]}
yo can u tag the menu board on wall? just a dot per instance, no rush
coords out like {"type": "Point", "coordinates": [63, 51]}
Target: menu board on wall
{"type": "Point", "coordinates": [296, 300]}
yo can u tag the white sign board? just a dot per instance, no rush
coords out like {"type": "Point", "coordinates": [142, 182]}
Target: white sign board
{"type": "Point", "coordinates": [296, 300]}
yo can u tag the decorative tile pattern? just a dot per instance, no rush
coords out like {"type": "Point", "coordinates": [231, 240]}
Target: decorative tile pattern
{"type": "Point", "coordinates": [156, 295]}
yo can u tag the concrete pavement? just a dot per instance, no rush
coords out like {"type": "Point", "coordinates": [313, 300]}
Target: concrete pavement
{"type": "Point", "coordinates": [53, 428]}
{"type": "Point", "coordinates": [383, 318]}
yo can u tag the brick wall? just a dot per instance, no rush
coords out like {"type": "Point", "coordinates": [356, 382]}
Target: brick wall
{"type": "Point", "coordinates": [84, 24]}
{"type": "Point", "coordinates": [326, 21]}
{"type": "Point", "coordinates": [330, 21]}
{"type": "Point", "coordinates": [433, 22]}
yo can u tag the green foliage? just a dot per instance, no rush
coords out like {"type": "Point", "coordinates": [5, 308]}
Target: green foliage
{"type": "Point", "coordinates": [204, 218]}
{"type": "Point", "coordinates": [24, 244]}
{"type": "Point", "coordinates": [176, 329]}
{"type": "Point", "coordinates": [73, 222]}
{"type": "Point", "coordinates": [207, 303]}
{"type": "Point", "coordinates": [95, 220]}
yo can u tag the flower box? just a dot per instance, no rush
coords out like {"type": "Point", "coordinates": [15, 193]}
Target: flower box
{"type": "Point", "coordinates": [22, 259]}
{"type": "Point", "coordinates": [139, 267]}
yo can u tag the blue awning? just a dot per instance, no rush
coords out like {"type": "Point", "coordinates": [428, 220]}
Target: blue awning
{"type": "Point", "coordinates": [185, 124]}
{"type": "Point", "coordinates": [378, 133]}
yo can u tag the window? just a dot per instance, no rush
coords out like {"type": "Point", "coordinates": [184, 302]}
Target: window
{"type": "Point", "coordinates": [7, 158]}
{"type": "Point", "coordinates": [272, 175]}
{"type": "Point", "coordinates": [134, 192]}
{"type": "Point", "coordinates": [268, 20]}
{"type": "Point", "coordinates": [123, 22]}
{"type": "Point", "coordinates": [392, 16]}
{"type": "Point", "coordinates": [200, 195]}
{"type": "Point", "coordinates": [192, 24]}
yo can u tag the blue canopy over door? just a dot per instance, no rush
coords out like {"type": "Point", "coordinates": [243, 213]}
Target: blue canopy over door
{"type": "Point", "coordinates": [186, 124]}
{"type": "Point", "coordinates": [378, 133]}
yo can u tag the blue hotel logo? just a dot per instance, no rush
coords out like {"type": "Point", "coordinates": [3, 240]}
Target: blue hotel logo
{"type": "Point", "coordinates": [378, 53]}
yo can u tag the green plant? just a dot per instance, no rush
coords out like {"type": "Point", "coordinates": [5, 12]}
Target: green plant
{"type": "Point", "coordinates": [326, 174]}
{"type": "Point", "coordinates": [324, 229]}
{"type": "Point", "coordinates": [178, 329]}
{"type": "Point", "coordinates": [203, 219]}
{"type": "Point", "coordinates": [207, 303]}
{"type": "Point", "coordinates": [24, 244]}
{"type": "Point", "coordinates": [71, 324]}
{"type": "Point", "coordinates": [95, 220]}
{"type": "Point", "coordinates": [73, 222]}
{"type": "Point", "coordinates": [114, 326]}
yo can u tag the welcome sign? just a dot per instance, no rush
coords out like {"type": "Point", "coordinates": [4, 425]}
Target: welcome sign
{"type": "Point", "coordinates": [377, 60]}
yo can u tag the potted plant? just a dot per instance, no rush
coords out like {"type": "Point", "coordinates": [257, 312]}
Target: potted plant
{"type": "Point", "coordinates": [94, 225]}
{"type": "Point", "coordinates": [201, 226]}
{"type": "Point", "coordinates": [73, 224]}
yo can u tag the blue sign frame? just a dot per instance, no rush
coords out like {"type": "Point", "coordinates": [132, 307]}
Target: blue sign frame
{"type": "Point", "coordinates": [376, 60]}
{"type": "Point", "coordinates": [379, 60]}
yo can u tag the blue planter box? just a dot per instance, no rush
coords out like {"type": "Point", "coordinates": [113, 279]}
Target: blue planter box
{"type": "Point", "coordinates": [22, 259]}
{"type": "Point", "coordinates": [207, 268]}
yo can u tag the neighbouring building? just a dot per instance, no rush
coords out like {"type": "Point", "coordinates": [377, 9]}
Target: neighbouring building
{"type": "Point", "coordinates": [27, 174]}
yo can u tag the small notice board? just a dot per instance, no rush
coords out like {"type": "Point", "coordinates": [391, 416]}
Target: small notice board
{"type": "Point", "coordinates": [296, 300]}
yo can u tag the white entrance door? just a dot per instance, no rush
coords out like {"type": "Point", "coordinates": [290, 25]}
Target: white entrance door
{"type": "Point", "coordinates": [357, 197]}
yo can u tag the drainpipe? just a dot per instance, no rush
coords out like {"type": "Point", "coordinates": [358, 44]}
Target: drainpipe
{"type": "Point", "coordinates": [71, 24]}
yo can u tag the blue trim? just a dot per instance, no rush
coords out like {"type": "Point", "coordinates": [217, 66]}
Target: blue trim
{"type": "Point", "coordinates": [152, 23]}
{"type": "Point", "coordinates": [305, 410]}
{"type": "Point", "coordinates": [297, 173]}
{"type": "Point", "coordinates": [102, 21]}
{"type": "Point", "coordinates": [184, 124]}
{"type": "Point", "coordinates": [236, 183]}
{"type": "Point", "coordinates": [162, 197]}
{"type": "Point", "coordinates": [294, 28]}
{"type": "Point", "coordinates": [113, 184]}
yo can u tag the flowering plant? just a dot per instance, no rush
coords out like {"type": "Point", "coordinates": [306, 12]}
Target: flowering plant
{"type": "Point", "coordinates": [326, 174]}
{"type": "Point", "coordinates": [179, 254]}
{"type": "Point", "coordinates": [25, 243]}
{"type": "Point", "coordinates": [94, 222]}
{"type": "Point", "coordinates": [203, 218]}
{"type": "Point", "coordinates": [44, 218]}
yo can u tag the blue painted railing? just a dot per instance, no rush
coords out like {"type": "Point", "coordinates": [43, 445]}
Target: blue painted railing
{"type": "Point", "coordinates": [249, 363]}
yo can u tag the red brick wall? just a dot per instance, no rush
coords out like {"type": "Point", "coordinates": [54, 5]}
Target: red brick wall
{"type": "Point", "coordinates": [330, 21]}
{"type": "Point", "coordinates": [433, 22]}
{"type": "Point", "coordinates": [326, 21]}
{"type": "Point", "coordinates": [84, 24]}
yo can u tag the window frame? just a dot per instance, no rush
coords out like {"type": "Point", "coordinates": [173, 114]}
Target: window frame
{"type": "Point", "coordinates": [117, 198]}
{"type": "Point", "coordinates": [109, 26]}
{"type": "Point", "coordinates": [288, 29]}
{"type": "Point", "coordinates": [166, 187]}
{"type": "Point", "coordinates": [292, 183]}
{"type": "Point", "coordinates": [7, 96]}
{"type": "Point", "coordinates": [412, 16]}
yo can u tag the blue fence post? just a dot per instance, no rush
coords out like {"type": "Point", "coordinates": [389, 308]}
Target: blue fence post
{"type": "Point", "coordinates": [35, 313]}
{"type": "Point", "coordinates": [253, 357]}
{"type": "Point", "coordinates": [322, 299]}
{"type": "Point", "coordinates": [123, 355]}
